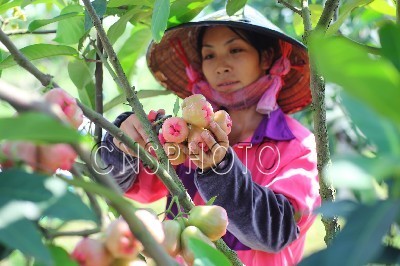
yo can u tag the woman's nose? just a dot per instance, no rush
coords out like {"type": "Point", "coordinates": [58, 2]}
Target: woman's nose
{"type": "Point", "coordinates": [223, 67]}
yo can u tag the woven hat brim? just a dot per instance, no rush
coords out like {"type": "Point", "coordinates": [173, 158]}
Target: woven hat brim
{"type": "Point", "coordinates": [169, 70]}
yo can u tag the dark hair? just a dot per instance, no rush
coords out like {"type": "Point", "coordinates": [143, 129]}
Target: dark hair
{"type": "Point", "coordinates": [259, 41]}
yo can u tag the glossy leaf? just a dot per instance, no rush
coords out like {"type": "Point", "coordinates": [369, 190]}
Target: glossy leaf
{"type": "Point", "coordinates": [361, 237]}
{"type": "Point", "coordinates": [233, 6]}
{"type": "Point", "coordinates": [352, 68]}
{"type": "Point", "coordinates": [383, 7]}
{"type": "Point", "coordinates": [118, 3]}
{"type": "Point", "coordinates": [70, 207]}
{"type": "Point", "coordinates": [100, 7]}
{"type": "Point", "coordinates": [25, 236]}
{"type": "Point", "coordinates": [206, 255]}
{"type": "Point", "coordinates": [60, 257]}
{"type": "Point", "coordinates": [185, 10]}
{"type": "Point", "coordinates": [345, 11]}
{"type": "Point", "coordinates": [159, 19]}
{"type": "Point", "coordinates": [82, 77]}
{"type": "Point", "coordinates": [379, 130]}
{"type": "Point", "coordinates": [71, 30]}
{"type": "Point", "coordinates": [118, 28]}
{"type": "Point", "coordinates": [40, 51]}
{"type": "Point", "coordinates": [36, 127]}
{"type": "Point", "coordinates": [138, 41]}
{"type": "Point", "coordinates": [389, 35]}
{"type": "Point", "coordinates": [36, 24]}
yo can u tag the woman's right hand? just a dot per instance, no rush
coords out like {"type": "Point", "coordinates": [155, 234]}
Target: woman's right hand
{"type": "Point", "coordinates": [134, 129]}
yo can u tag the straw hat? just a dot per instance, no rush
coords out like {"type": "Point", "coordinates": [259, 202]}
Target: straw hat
{"type": "Point", "coordinates": [169, 70]}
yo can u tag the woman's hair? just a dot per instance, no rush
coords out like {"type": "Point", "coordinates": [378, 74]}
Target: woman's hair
{"type": "Point", "coordinates": [259, 41]}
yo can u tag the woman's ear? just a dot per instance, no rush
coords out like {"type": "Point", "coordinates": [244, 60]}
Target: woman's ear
{"type": "Point", "coordinates": [266, 58]}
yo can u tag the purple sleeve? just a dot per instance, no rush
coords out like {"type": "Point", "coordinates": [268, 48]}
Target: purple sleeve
{"type": "Point", "coordinates": [123, 167]}
{"type": "Point", "coordinates": [258, 217]}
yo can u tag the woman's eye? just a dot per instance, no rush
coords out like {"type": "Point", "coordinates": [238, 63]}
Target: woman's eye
{"type": "Point", "coordinates": [236, 50]}
{"type": "Point", "coordinates": [207, 56]}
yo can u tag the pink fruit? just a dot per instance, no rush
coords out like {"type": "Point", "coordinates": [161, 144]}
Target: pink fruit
{"type": "Point", "coordinates": [195, 137]}
{"type": "Point", "coordinates": [55, 156]}
{"type": "Point", "coordinates": [152, 224]}
{"type": "Point", "coordinates": [20, 151]}
{"type": "Point", "coordinates": [223, 119]}
{"type": "Point", "coordinates": [91, 252]}
{"type": "Point", "coordinates": [211, 220]}
{"type": "Point", "coordinates": [197, 112]}
{"type": "Point", "coordinates": [192, 99]}
{"type": "Point", "coordinates": [175, 130]}
{"type": "Point", "coordinates": [120, 241]}
{"type": "Point", "coordinates": [67, 104]}
{"type": "Point", "coordinates": [174, 152]}
{"type": "Point", "coordinates": [172, 241]}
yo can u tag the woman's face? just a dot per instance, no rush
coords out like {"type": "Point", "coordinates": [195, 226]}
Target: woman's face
{"type": "Point", "coordinates": [229, 63]}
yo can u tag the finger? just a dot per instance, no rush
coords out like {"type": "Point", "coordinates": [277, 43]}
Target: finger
{"type": "Point", "coordinates": [220, 135]}
{"type": "Point", "coordinates": [161, 111]}
{"type": "Point", "coordinates": [209, 140]}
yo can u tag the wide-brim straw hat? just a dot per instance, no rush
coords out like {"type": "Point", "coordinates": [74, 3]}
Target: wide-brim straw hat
{"type": "Point", "coordinates": [169, 70]}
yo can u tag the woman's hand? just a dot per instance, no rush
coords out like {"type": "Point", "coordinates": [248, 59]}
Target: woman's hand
{"type": "Point", "coordinates": [217, 144]}
{"type": "Point", "coordinates": [134, 129]}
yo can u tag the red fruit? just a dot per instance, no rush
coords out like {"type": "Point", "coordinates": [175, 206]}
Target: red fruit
{"type": "Point", "coordinates": [197, 112]}
{"type": "Point", "coordinates": [91, 252]}
{"type": "Point", "coordinates": [195, 137]}
{"type": "Point", "coordinates": [175, 153]}
{"type": "Point", "coordinates": [172, 241]}
{"type": "Point", "coordinates": [67, 104]}
{"type": "Point", "coordinates": [175, 130]}
{"type": "Point", "coordinates": [20, 151]}
{"type": "Point", "coordinates": [120, 241]}
{"type": "Point", "coordinates": [211, 220]}
{"type": "Point", "coordinates": [152, 224]}
{"type": "Point", "coordinates": [223, 119]}
{"type": "Point", "coordinates": [192, 232]}
{"type": "Point", "coordinates": [55, 156]}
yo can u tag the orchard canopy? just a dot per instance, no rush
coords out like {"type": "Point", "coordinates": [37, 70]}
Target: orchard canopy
{"type": "Point", "coordinates": [69, 67]}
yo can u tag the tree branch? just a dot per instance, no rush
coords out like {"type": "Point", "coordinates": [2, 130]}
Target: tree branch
{"type": "Point", "coordinates": [25, 31]}
{"type": "Point", "coordinates": [99, 89]}
{"type": "Point", "coordinates": [327, 14]}
{"type": "Point", "coordinates": [21, 60]}
{"type": "Point", "coordinates": [290, 6]}
{"type": "Point", "coordinates": [306, 14]}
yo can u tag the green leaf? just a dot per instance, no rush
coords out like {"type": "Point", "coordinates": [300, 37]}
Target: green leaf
{"type": "Point", "coordinates": [138, 42]}
{"type": "Point", "coordinates": [118, 3]}
{"type": "Point", "coordinates": [70, 207]}
{"type": "Point", "coordinates": [176, 107]}
{"type": "Point", "coordinates": [345, 11]}
{"type": "Point", "coordinates": [361, 237]}
{"type": "Point", "coordinates": [233, 6]}
{"type": "Point", "coordinates": [24, 236]}
{"type": "Point", "coordinates": [375, 81]}
{"type": "Point", "coordinates": [380, 131]}
{"type": "Point", "coordinates": [37, 127]}
{"type": "Point", "coordinates": [211, 201]}
{"type": "Point", "coordinates": [43, 22]}
{"type": "Point", "coordinates": [5, 251]}
{"type": "Point", "coordinates": [118, 28]}
{"type": "Point", "coordinates": [159, 19]}
{"type": "Point", "coordinates": [100, 7]}
{"type": "Point", "coordinates": [60, 257]}
{"type": "Point", "coordinates": [383, 7]}
{"type": "Point", "coordinates": [82, 77]}
{"type": "Point", "coordinates": [71, 30]}
{"type": "Point", "coordinates": [185, 10]}
{"type": "Point", "coordinates": [206, 255]}
{"type": "Point", "coordinates": [390, 40]}
{"type": "Point", "coordinates": [316, 12]}
{"type": "Point", "coordinates": [9, 5]}
{"type": "Point", "coordinates": [39, 51]}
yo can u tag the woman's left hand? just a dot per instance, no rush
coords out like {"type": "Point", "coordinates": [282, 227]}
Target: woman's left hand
{"type": "Point", "coordinates": [217, 143]}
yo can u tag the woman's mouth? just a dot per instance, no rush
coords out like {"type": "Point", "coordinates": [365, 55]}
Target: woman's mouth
{"type": "Point", "coordinates": [227, 84]}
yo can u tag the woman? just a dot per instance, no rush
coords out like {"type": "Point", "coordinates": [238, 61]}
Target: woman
{"type": "Point", "coordinates": [264, 172]}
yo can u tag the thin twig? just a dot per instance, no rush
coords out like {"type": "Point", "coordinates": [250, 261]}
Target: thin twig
{"type": "Point", "coordinates": [46, 80]}
{"type": "Point", "coordinates": [49, 234]}
{"type": "Point", "coordinates": [99, 90]}
{"type": "Point", "coordinates": [306, 14]}
{"type": "Point", "coordinates": [290, 6]}
{"type": "Point", "coordinates": [327, 14]}
{"type": "Point", "coordinates": [26, 31]}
